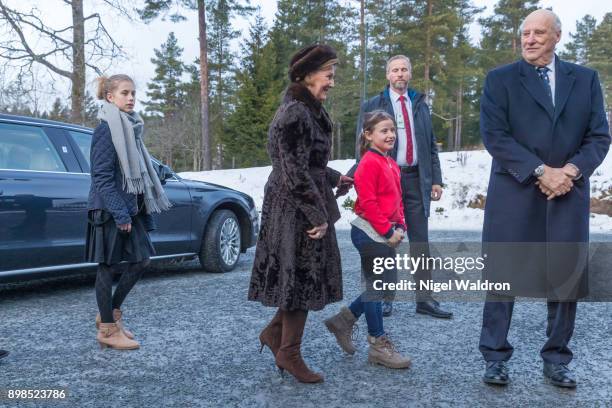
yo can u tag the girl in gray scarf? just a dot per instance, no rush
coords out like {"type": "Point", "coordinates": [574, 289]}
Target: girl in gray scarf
{"type": "Point", "coordinates": [125, 191]}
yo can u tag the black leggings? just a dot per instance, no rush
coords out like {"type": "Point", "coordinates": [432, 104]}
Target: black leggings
{"type": "Point", "coordinates": [107, 300]}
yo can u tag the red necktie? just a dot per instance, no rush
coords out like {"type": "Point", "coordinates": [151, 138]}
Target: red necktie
{"type": "Point", "coordinates": [409, 147]}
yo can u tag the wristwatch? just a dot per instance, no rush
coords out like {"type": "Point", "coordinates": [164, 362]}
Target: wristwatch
{"type": "Point", "coordinates": [539, 171]}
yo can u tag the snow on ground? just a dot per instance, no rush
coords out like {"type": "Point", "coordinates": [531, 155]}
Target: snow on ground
{"type": "Point", "coordinates": [466, 174]}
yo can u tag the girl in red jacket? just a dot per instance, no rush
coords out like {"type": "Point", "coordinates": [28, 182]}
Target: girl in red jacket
{"type": "Point", "coordinates": [376, 232]}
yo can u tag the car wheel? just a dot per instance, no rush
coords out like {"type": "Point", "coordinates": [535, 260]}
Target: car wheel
{"type": "Point", "coordinates": [221, 244]}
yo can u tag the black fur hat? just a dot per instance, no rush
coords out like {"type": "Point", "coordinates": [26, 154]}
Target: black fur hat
{"type": "Point", "coordinates": [310, 59]}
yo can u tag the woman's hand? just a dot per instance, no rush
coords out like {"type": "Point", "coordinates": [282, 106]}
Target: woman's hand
{"type": "Point", "coordinates": [396, 238]}
{"type": "Point", "coordinates": [127, 228]}
{"type": "Point", "coordinates": [317, 232]}
{"type": "Point", "coordinates": [345, 180]}
{"type": "Point", "coordinates": [344, 185]}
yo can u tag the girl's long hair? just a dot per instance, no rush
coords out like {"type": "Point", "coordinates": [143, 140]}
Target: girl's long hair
{"type": "Point", "coordinates": [370, 120]}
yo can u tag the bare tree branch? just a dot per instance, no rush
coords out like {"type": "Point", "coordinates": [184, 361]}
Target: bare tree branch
{"type": "Point", "coordinates": [35, 57]}
{"type": "Point", "coordinates": [118, 6]}
{"type": "Point", "coordinates": [41, 27]}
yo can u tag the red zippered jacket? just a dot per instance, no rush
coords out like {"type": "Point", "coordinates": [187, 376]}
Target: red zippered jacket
{"type": "Point", "coordinates": [379, 193]}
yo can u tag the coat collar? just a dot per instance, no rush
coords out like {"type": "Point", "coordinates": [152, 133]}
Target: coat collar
{"type": "Point", "coordinates": [564, 80]}
{"type": "Point", "coordinates": [376, 152]}
{"type": "Point", "coordinates": [299, 92]}
{"type": "Point", "coordinates": [415, 96]}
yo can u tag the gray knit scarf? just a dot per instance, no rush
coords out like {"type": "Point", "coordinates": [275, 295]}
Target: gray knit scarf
{"type": "Point", "coordinates": [139, 177]}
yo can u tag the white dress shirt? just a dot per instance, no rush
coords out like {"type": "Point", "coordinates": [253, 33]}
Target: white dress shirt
{"type": "Point", "coordinates": [402, 143]}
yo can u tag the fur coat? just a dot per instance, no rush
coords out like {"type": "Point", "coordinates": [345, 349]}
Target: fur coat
{"type": "Point", "coordinates": [291, 270]}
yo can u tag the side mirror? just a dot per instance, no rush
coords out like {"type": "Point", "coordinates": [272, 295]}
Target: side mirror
{"type": "Point", "coordinates": [165, 173]}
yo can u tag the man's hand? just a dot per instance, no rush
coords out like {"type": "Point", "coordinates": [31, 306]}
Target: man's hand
{"type": "Point", "coordinates": [547, 192]}
{"type": "Point", "coordinates": [436, 192]}
{"type": "Point", "coordinates": [571, 171]}
{"type": "Point", "coordinates": [555, 182]}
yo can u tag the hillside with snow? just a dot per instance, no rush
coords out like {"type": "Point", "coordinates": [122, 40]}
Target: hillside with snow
{"type": "Point", "coordinates": [466, 175]}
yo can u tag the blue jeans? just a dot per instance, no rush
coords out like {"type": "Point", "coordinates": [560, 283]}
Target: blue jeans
{"type": "Point", "coordinates": [368, 250]}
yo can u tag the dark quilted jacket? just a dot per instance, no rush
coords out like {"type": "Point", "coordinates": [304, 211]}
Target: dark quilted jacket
{"type": "Point", "coordinates": [106, 191]}
{"type": "Point", "coordinates": [291, 270]}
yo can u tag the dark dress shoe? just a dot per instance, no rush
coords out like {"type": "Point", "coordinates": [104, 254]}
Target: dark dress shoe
{"type": "Point", "coordinates": [3, 353]}
{"type": "Point", "coordinates": [430, 307]}
{"type": "Point", "coordinates": [387, 309]}
{"type": "Point", "coordinates": [426, 298]}
{"type": "Point", "coordinates": [496, 373]}
{"type": "Point", "coordinates": [559, 375]}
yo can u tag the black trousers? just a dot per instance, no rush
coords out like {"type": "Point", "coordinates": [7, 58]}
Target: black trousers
{"type": "Point", "coordinates": [418, 226]}
{"type": "Point", "coordinates": [496, 318]}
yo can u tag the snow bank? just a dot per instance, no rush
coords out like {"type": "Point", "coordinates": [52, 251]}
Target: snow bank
{"type": "Point", "coordinates": [466, 175]}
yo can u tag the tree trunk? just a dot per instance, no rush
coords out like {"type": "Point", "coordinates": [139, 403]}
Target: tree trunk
{"type": "Point", "coordinates": [362, 44]}
{"type": "Point", "coordinates": [450, 137]}
{"type": "Point", "coordinates": [339, 150]}
{"type": "Point", "coordinates": [205, 147]}
{"type": "Point", "coordinates": [458, 116]}
{"type": "Point", "coordinates": [78, 63]}
{"type": "Point", "coordinates": [428, 50]}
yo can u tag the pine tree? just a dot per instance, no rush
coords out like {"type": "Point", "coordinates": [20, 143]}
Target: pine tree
{"type": "Point", "coordinates": [59, 111]}
{"type": "Point", "coordinates": [299, 23]}
{"type": "Point", "coordinates": [590, 46]}
{"type": "Point", "coordinates": [221, 62]}
{"type": "Point", "coordinates": [578, 49]}
{"type": "Point", "coordinates": [600, 58]}
{"type": "Point", "coordinates": [165, 92]}
{"type": "Point", "coordinates": [500, 43]}
{"type": "Point", "coordinates": [255, 102]}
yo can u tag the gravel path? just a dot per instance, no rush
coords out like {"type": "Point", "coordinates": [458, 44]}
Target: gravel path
{"type": "Point", "coordinates": [200, 348]}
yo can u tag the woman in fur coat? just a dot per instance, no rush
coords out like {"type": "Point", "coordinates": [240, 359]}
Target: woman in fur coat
{"type": "Point", "coordinates": [297, 261]}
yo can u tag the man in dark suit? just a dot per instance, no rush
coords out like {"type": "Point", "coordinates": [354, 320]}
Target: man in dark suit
{"type": "Point", "coordinates": [543, 122]}
{"type": "Point", "coordinates": [416, 153]}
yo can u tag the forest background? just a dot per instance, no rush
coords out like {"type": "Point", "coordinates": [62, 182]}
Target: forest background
{"type": "Point", "coordinates": [222, 122]}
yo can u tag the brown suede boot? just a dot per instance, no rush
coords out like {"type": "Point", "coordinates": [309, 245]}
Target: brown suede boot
{"type": "Point", "coordinates": [117, 318]}
{"type": "Point", "coordinates": [271, 334]}
{"type": "Point", "coordinates": [289, 356]}
{"type": "Point", "coordinates": [341, 325]}
{"type": "Point", "coordinates": [109, 335]}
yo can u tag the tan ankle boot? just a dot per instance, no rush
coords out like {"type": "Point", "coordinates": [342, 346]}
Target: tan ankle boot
{"type": "Point", "coordinates": [117, 314]}
{"type": "Point", "coordinates": [383, 352]}
{"type": "Point", "coordinates": [109, 335]}
{"type": "Point", "coordinates": [341, 325]}
{"type": "Point", "coordinates": [117, 318]}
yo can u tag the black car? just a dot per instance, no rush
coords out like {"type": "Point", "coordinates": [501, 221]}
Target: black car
{"type": "Point", "coordinates": [44, 184]}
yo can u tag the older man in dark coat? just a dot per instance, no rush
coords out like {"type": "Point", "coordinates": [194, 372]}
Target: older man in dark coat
{"type": "Point", "coordinates": [416, 153]}
{"type": "Point", "coordinates": [543, 121]}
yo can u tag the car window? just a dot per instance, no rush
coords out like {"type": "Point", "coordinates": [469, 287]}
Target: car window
{"type": "Point", "coordinates": [27, 148]}
{"type": "Point", "coordinates": [83, 140]}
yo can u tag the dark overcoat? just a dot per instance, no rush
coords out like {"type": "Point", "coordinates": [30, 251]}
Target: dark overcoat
{"type": "Point", "coordinates": [291, 270]}
{"type": "Point", "coordinates": [534, 244]}
{"type": "Point", "coordinates": [430, 172]}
